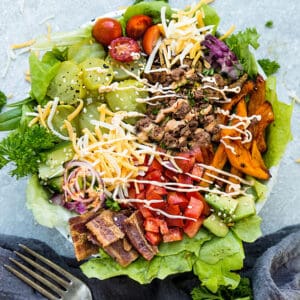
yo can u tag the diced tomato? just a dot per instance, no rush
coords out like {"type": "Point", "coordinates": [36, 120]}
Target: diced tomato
{"type": "Point", "coordinates": [151, 188]}
{"type": "Point", "coordinates": [176, 198]}
{"type": "Point", "coordinates": [124, 49]}
{"type": "Point", "coordinates": [171, 175]}
{"type": "Point", "coordinates": [175, 234]}
{"type": "Point", "coordinates": [194, 208]}
{"type": "Point", "coordinates": [198, 172]}
{"type": "Point", "coordinates": [174, 210]}
{"type": "Point", "coordinates": [163, 227]}
{"type": "Point", "coordinates": [185, 164]}
{"type": "Point", "coordinates": [191, 228]}
{"type": "Point", "coordinates": [155, 165]}
{"type": "Point", "coordinates": [154, 175]}
{"type": "Point", "coordinates": [146, 212]}
{"type": "Point", "coordinates": [152, 224]}
{"type": "Point", "coordinates": [206, 208]}
{"type": "Point", "coordinates": [186, 179]}
{"type": "Point", "coordinates": [131, 192]}
{"type": "Point", "coordinates": [197, 152]}
{"type": "Point", "coordinates": [153, 238]}
{"type": "Point", "coordinates": [141, 195]}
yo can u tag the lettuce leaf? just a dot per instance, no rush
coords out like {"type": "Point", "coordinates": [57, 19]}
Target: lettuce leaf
{"type": "Point", "coordinates": [248, 229]}
{"type": "Point", "coordinates": [45, 212]}
{"type": "Point", "coordinates": [240, 44]}
{"type": "Point", "coordinates": [215, 264]}
{"type": "Point", "coordinates": [152, 9]}
{"type": "Point", "coordinates": [173, 258]}
{"type": "Point", "coordinates": [41, 76]}
{"type": "Point", "coordinates": [210, 17]}
{"type": "Point", "coordinates": [279, 132]}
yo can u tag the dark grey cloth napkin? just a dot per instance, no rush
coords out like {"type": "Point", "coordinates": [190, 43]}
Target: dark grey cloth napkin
{"type": "Point", "coordinates": [272, 262]}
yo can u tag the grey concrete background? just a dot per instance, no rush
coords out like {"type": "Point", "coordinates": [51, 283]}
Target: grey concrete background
{"type": "Point", "coordinates": [21, 20]}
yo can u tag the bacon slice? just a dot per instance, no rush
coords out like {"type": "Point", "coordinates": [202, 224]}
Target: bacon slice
{"type": "Point", "coordinates": [117, 251]}
{"type": "Point", "coordinates": [134, 230]}
{"type": "Point", "coordinates": [104, 228]}
{"type": "Point", "coordinates": [82, 246]}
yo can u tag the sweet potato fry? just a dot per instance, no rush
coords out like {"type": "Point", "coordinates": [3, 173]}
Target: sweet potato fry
{"type": "Point", "coordinates": [256, 155]}
{"type": "Point", "coordinates": [258, 128]}
{"type": "Point", "coordinates": [246, 89]}
{"type": "Point", "coordinates": [258, 95]}
{"type": "Point", "coordinates": [236, 172]}
{"type": "Point", "coordinates": [218, 162]}
{"type": "Point", "coordinates": [241, 159]}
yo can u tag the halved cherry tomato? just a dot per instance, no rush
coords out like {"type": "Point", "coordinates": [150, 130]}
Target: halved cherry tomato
{"type": "Point", "coordinates": [176, 198]}
{"type": "Point", "coordinates": [137, 26]}
{"type": "Point", "coordinates": [124, 49]}
{"type": "Point", "coordinates": [153, 238]}
{"type": "Point", "coordinates": [194, 209]}
{"type": "Point", "coordinates": [175, 234]}
{"type": "Point", "coordinates": [150, 38]}
{"type": "Point", "coordinates": [191, 228]}
{"type": "Point", "coordinates": [106, 29]}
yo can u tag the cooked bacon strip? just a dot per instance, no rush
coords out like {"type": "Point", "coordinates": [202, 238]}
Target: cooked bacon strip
{"type": "Point", "coordinates": [134, 230]}
{"type": "Point", "coordinates": [123, 256]}
{"type": "Point", "coordinates": [104, 228]}
{"type": "Point", "coordinates": [83, 247]}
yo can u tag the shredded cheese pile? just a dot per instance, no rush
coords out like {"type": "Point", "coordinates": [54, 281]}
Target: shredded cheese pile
{"type": "Point", "coordinates": [112, 149]}
{"type": "Point", "coordinates": [182, 36]}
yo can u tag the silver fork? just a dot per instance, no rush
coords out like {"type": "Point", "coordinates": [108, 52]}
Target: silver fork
{"type": "Point", "coordinates": [66, 288]}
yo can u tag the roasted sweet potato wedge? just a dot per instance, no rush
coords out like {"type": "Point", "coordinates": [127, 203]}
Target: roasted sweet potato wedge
{"type": "Point", "coordinates": [257, 96]}
{"type": "Point", "coordinates": [242, 160]}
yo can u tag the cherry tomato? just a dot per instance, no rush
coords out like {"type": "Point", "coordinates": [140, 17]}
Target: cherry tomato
{"type": "Point", "coordinates": [150, 38]}
{"type": "Point", "coordinates": [137, 26]}
{"type": "Point", "coordinates": [106, 29]}
{"type": "Point", "coordinates": [124, 49]}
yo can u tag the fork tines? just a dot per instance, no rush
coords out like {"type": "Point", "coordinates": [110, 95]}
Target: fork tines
{"type": "Point", "coordinates": [59, 289]}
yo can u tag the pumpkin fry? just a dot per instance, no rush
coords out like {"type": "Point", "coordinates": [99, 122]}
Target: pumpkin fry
{"type": "Point", "coordinates": [236, 172]}
{"type": "Point", "coordinates": [258, 95]}
{"type": "Point", "coordinates": [218, 162]}
{"type": "Point", "coordinates": [255, 153]}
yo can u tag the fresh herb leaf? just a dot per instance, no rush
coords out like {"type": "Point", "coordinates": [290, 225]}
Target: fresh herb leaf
{"type": "Point", "coordinates": [112, 204]}
{"type": "Point", "coordinates": [240, 44]}
{"type": "Point", "coordinates": [270, 67]}
{"type": "Point", "coordinates": [25, 149]}
{"type": "Point", "coordinates": [3, 100]}
{"type": "Point", "coordinates": [269, 24]}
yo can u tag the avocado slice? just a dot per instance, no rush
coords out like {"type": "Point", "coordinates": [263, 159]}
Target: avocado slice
{"type": "Point", "coordinates": [216, 225]}
{"type": "Point", "coordinates": [53, 165]}
{"type": "Point", "coordinates": [245, 208]}
{"type": "Point", "coordinates": [224, 204]}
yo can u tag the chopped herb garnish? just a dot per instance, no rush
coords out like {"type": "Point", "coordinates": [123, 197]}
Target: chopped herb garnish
{"type": "Point", "coordinates": [208, 72]}
{"type": "Point", "coordinates": [270, 67]}
{"type": "Point", "coordinates": [112, 204]}
{"type": "Point", "coordinates": [269, 24]}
